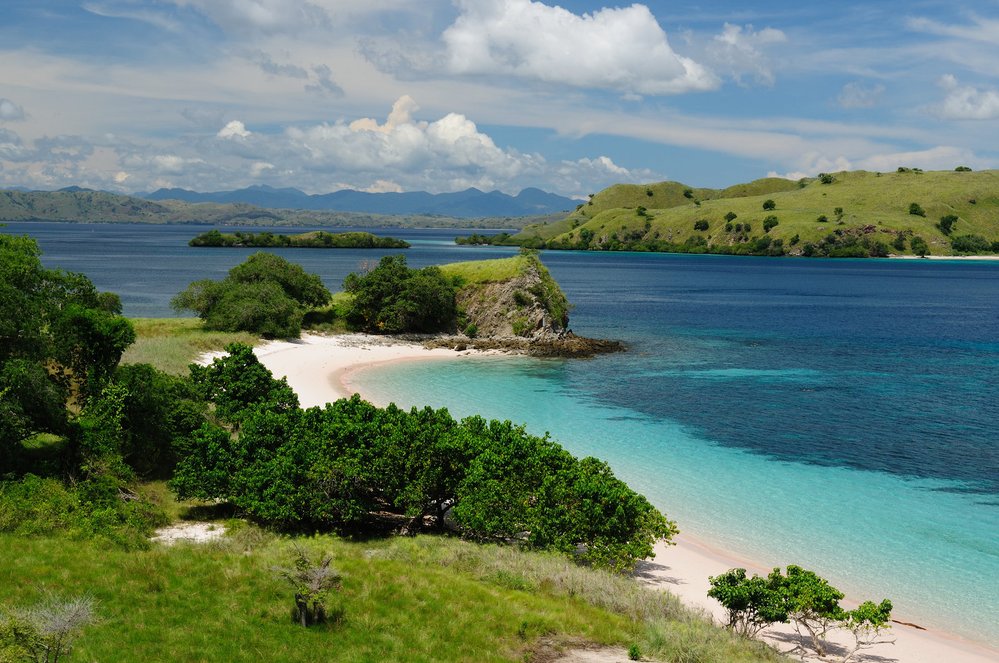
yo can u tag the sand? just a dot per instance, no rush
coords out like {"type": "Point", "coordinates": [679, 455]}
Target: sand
{"type": "Point", "coordinates": [324, 368]}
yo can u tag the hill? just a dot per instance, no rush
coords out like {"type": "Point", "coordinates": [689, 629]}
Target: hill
{"type": "Point", "coordinates": [470, 203]}
{"type": "Point", "coordinates": [77, 205]}
{"type": "Point", "coordinates": [855, 214]}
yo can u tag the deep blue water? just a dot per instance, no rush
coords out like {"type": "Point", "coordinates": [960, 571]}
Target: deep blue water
{"type": "Point", "coordinates": [836, 414]}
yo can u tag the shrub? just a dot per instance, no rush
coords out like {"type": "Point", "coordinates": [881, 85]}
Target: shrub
{"type": "Point", "coordinates": [649, 193]}
{"type": "Point", "coordinates": [947, 222]}
{"type": "Point", "coordinates": [731, 216]}
{"type": "Point", "coordinates": [688, 193]}
{"type": "Point", "coordinates": [313, 583]}
{"type": "Point", "coordinates": [970, 244]}
{"type": "Point", "coordinates": [916, 209]}
{"type": "Point", "coordinates": [769, 204]}
{"type": "Point", "coordinates": [919, 246]}
{"type": "Point", "coordinates": [822, 218]}
{"type": "Point", "coordinates": [963, 169]}
{"type": "Point", "coordinates": [701, 225]}
{"type": "Point", "coordinates": [826, 178]}
{"type": "Point", "coordinates": [769, 223]}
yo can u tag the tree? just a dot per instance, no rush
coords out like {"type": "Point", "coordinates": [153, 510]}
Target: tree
{"type": "Point", "coordinates": [769, 204]}
{"type": "Point", "coordinates": [916, 210]}
{"type": "Point", "coordinates": [701, 225]}
{"type": "Point", "coordinates": [826, 178]}
{"type": "Point", "coordinates": [919, 246]}
{"type": "Point", "coordinates": [265, 294]}
{"type": "Point", "coordinates": [314, 582]}
{"type": "Point", "coordinates": [970, 244]}
{"type": "Point", "coordinates": [731, 216]}
{"type": "Point", "coordinates": [392, 298]}
{"type": "Point", "coordinates": [45, 632]}
{"type": "Point", "coordinates": [947, 222]}
{"type": "Point", "coordinates": [812, 603]}
{"type": "Point", "coordinates": [752, 603]}
{"type": "Point", "coordinates": [769, 223]}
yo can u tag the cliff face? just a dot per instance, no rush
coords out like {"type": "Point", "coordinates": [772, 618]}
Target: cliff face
{"type": "Point", "coordinates": [528, 306]}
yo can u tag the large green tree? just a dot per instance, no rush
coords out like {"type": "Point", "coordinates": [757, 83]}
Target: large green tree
{"type": "Point", "coordinates": [265, 295]}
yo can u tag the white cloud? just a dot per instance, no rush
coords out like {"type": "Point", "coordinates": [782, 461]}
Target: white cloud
{"type": "Point", "coordinates": [618, 49]}
{"type": "Point", "coordinates": [266, 17]}
{"type": "Point", "coordinates": [857, 95]}
{"type": "Point", "coordinates": [234, 129]}
{"type": "Point", "coordinates": [155, 18]}
{"type": "Point", "coordinates": [740, 51]}
{"type": "Point", "coordinates": [9, 111]}
{"type": "Point", "coordinates": [966, 102]}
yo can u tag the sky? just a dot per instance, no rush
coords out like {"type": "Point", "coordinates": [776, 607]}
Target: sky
{"type": "Point", "coordinates": [442, 95]}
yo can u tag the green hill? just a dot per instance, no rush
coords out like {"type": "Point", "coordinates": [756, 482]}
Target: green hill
{"type": "Point", "coordinates": [855, 213]}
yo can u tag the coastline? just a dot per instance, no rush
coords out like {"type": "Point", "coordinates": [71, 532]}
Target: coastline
{"type": "Point", "coordinates": [324, 368]}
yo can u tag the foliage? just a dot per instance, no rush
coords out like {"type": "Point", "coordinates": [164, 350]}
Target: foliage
{"type": "Point", "coordinates": [915, 209]}
{"type": "Point", "coordinates": [971, 244]}
{"type": "Point", "coordinates": [919, 246]}
{"type": "Point", "coordinates": [947, 222]}
{"type": "Point", "coordinates": [333, 467]}
{"type": "Point", "coordinates": [701, 224]}
{"type": "Point", "coordinates": [769, 204]}
{"type": "Point", "coordinates": [313, 583]}
{"type": "Point", "coordinates": [731, 216]}
{"type": "Point", "coordinates": [45, 632]}
{"type": "Point", "coordinates": [60, 340]}
{"type": "Point", "coordinates": [826, 178]}
{"type": "Point", "coordinates": [311, 240]}
{"type": "Point", "coordinates": [265, 294]}
{"type": "Point", "coordinates": [770, 223]}
{"type": "Point", "coordinates": [392, 298]}
{"type": "Point", "coordinates": [803, 598]}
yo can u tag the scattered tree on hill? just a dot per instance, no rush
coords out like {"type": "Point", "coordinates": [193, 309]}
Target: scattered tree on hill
{"type": "Point", "coordinates": [688, 193]}
{"type": "Point", "coordinates": [822, 218]}
{"type": "Point", "coordinates": [919, 246]}
{"type": "Point", "coordinates": [392, 298]}
{"type": "Point", "coordinates": [731, 216]}
{"type": "Point", "coordinates": [916, 209]}
{"type": "Point", "coordinates": [970, 244]}
{"type": "Point", "coordinates": [266, 295]}
{"type": "Point", "coordinates": [702, 224]}
{"type": "Point", "coordinates": [826, 178]}
{"type": "Point", "coordinates": [769, 223]}
{"type": "Point", "coordinates": [314, 583]}
{"type": "Point", "coordinates": [838, 212]}
{"type": "Point", "coordinates": [947, 222]}
{"type": "Point", "coordinates": [769, 204]}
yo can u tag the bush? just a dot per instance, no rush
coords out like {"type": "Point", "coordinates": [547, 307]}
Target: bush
{"type": "Point", "coordinates": [769, 223]}
{"type": "Point", "coordinates": [393, 299]}
{"type": "Point", "coordinates": [822, 218]}
{"type": "Point", "coordinates": [970, 244]}
{"type": "Point", "coordinates": [826, 178]}
{"type": "Point", "coordinates": [265, 295]}
{"type": "Point", "coordinates": [963, 169]}
{"type": "Point", "coordinates": [947, 222]}
{"type": "Point", "coordinates": [731, 216]}
{"type": "Point", "coordinates": [769, 204]}
{"type": "Point", "coordinates": [916, 210]}
{"type": "Point", "coordinates": [919, 246]}
{"type": "Point", "coordinates": [702, 225]}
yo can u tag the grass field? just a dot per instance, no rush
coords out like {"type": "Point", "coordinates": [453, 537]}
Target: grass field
{"type": "Point", "coordinates": [403, 599]}
{"type": "Point", "coordinates": [171, 344]}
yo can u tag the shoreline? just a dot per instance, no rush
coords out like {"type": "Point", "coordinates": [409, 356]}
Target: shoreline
{"type": "Point", "coordinates": [325, 368]}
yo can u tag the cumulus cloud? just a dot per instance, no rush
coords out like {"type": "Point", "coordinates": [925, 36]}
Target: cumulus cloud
{"type": "Point", "coordinates": [936, 158]}
{"type": "Point", "coordinates": [618, 49]}
{"type": "Point", "coordinates": [9, 111]}
{"type": "Point", "coordinates": [857, 95]}
{"type": "Point", "coordinates": [967, 103]}
{"type": "Point", "coordinates": [740, 51]}
{"type": "Point", "coordinates": [266, 17]}
{"type": "Point", "coordinates": [233, 129]}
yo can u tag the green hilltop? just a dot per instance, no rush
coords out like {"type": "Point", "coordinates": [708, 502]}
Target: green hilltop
{"type": "Point", "coordinates": [849, 214]}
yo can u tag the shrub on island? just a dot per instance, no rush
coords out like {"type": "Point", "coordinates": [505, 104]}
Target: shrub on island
{"type": "Point", "coordinates": [318, 239]}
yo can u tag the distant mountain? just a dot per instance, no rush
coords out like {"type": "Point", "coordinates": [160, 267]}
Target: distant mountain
{"type": "Point", "coordinates": [470, 203]}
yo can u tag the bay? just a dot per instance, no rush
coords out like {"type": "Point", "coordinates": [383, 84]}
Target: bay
{"type": "Point", "coordinates": [835, 414]}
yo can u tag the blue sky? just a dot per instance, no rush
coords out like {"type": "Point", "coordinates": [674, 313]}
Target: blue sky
{"type": "Point", "coordinates": [440, 95]}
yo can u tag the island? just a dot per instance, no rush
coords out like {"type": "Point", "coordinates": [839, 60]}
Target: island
{"type": "Point", "coordinates": [317, 239]}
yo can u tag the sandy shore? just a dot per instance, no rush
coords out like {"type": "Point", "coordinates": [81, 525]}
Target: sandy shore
{"type": "Point", "coordinates": [324, 368]}
{"type": "Point", "coordinates": [894, 257]}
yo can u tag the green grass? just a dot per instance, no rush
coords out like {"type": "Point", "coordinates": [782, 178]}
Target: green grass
{"type": "Point", "coordinates": [878, 200]}
{"type": "Point", "coordinates": [486, 271]}
{"type": "Point", "coordinates": [412, 599]}
{"type": "Point", "coordinates": [171, 344]}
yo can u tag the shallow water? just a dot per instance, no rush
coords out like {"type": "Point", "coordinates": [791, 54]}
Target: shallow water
{"type": "Point", "coordinates": [834, 414]}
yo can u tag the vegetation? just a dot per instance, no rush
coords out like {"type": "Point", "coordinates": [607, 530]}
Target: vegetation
{"type": "Point", "coordinates": [878, 205]}
{"type": "Point", "coordinates": [802, 598]}
{"type": "Point", "coordinates": [317, 239]}
{"type": "Point", "coordinates": [265, 295]}
{"type": "Point", "coordinates": [392, 298]}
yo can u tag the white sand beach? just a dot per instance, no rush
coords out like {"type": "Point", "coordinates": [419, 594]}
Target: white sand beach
{"type": "Point", "coordinates": [324, 368]}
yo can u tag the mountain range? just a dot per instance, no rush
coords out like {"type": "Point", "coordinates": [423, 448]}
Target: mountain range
{"type": "Point", "coordinates": [470, 203]}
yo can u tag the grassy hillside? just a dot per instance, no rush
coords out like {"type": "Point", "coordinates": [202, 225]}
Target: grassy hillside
{"type": "Point", "coordinates": [858, 208]}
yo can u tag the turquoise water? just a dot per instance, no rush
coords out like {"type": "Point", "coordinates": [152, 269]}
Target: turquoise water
{"type": "Point", "coordinates": [840, 415]}
{"type": "Point", "coordinates": [874, 535]}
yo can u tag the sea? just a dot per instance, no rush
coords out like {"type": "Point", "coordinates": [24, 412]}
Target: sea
{"type": "Point", "coordinates": [841, 415]}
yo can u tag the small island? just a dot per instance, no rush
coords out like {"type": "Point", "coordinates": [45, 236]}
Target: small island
{"type": "Point", "coordinates": [317, 239]}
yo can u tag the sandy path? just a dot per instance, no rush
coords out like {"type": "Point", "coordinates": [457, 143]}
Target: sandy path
{"type": "Point", "coordinates": [324, 368]}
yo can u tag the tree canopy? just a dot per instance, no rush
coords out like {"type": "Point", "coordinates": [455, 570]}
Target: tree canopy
{"type": "Point", "coordinates": [265, 294]}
